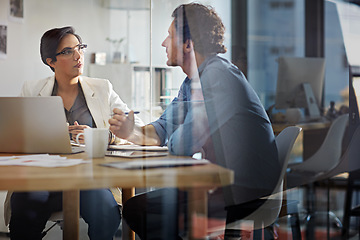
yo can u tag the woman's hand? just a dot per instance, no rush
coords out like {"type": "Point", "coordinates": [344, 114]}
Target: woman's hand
{"type": "Point", "coordinates": [75, 130]}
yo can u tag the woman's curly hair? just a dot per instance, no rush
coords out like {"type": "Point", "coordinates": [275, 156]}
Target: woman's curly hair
{"type": "Point", "coordinates": [202, 25]}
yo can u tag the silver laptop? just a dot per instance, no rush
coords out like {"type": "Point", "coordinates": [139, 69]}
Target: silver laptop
{"type": "Point", "coordinates": [34, 125]}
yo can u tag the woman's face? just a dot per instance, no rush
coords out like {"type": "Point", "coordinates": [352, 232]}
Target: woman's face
{"type": "Point", "coordinates": [69, 65]}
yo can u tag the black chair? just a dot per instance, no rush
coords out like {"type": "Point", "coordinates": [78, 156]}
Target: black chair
{"type": "Point", "coordinates": [353, 185]}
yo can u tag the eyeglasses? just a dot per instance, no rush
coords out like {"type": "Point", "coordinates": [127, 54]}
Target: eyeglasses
{"type": "Point", "coordinates": [69, 52]}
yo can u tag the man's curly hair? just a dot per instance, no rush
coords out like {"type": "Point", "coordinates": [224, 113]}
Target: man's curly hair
{"type": "Point", "coordinates": [202, 25]}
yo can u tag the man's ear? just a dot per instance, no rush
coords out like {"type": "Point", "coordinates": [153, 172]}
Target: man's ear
{"type": "Point", "coordinates": [188, 46]}
{"type": "Point", "coordinates": [50, 62]}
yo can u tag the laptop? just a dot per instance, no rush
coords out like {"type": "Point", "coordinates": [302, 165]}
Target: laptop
{"type": "Point", "coordinates": [34, 125]}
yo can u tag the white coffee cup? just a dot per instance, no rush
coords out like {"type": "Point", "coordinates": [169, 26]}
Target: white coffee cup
{"type": "Point", "coordinates": [96, 141]}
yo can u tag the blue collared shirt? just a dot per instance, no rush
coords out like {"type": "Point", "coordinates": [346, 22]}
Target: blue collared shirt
{"type": "Point", "coordinates": [230, 125]}
{"type": "Point", "coordinates": [175, 114]}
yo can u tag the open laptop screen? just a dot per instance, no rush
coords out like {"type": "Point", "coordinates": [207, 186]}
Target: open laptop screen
{"type": "Point", "coordinates": [33, 125]}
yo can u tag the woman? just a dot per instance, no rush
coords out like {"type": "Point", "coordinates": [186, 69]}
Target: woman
{"type": "Point", "coordinates": [88, 102]}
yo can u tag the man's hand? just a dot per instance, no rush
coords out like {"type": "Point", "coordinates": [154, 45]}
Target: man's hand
{"type": "Point", "coordinates": [121, 125]}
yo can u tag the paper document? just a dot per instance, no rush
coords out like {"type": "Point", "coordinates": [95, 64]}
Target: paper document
{"type": "Point", "coordinates": [134, 147]}
{"type": "Point", "coordinates": [41, 160]}
{"type": "Point", "coordinates": [135, 154]}
{"type": "Point", "coordinates": [144, 164]}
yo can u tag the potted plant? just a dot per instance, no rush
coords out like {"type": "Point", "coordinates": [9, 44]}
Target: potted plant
{"type": "Point", "coordinates": [116, 43]}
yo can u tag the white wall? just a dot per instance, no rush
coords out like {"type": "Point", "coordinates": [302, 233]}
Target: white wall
{"type": "Point", "coordinates": [94, 23]}
{"type": "Point", "coordinates": [23, 61]}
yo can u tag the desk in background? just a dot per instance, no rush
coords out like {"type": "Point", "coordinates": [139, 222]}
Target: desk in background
{"type": "Point", "coordinates": [195, 179]}
{"type": "Point", "coordinates": [312, 135]}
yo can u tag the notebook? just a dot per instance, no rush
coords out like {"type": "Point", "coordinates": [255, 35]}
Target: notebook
{"type": "Point", "coordinates": [146, 164]}
{"type": "Point", "coordinates": [134, 147]}
{"type": "Point", "coordinates": [34, 125]}
{"type": "Point", "coordinates": [135, 154]}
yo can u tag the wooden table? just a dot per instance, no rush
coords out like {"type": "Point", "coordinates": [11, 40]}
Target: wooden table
{"type": "Point", "coordinates": [195, 179]}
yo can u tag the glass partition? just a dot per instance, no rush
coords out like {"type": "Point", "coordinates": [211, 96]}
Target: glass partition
{"type": "Point", "coordinates": [125, 45]}
{"type": "Point", "coordinates": [275, 29]}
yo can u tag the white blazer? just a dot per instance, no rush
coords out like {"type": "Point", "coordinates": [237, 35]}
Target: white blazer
{"type": "Point", "coordinates": [100, 97]}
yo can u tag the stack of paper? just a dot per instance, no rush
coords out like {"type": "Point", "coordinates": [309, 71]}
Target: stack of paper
{"type": "Point", "coordinates": [41, 160]}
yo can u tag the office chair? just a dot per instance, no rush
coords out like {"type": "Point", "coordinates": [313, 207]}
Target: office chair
{"type": "Point", "coordinates": [329, 153]}
{"type": "Point", "coordinates": [353, 184]}
{"type": "Point", "coordinates": [266, 210]}
{"type": "Point", "coordinates": [319, 165]}
{"type": "Point", "coordinates": [57, 219]}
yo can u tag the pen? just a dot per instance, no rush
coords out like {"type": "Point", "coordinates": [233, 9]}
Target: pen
{"type": "Point", "coordinates": [135, 112]}
{"type": "Point", "coordinates": [126, 113]}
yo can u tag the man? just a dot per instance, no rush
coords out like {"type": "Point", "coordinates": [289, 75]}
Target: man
{"type": "Point", "coordinates": [216, 113]}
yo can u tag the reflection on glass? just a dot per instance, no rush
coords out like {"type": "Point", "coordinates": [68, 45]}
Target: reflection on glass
{"type": "Point", "coordinates": [215, 112]}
